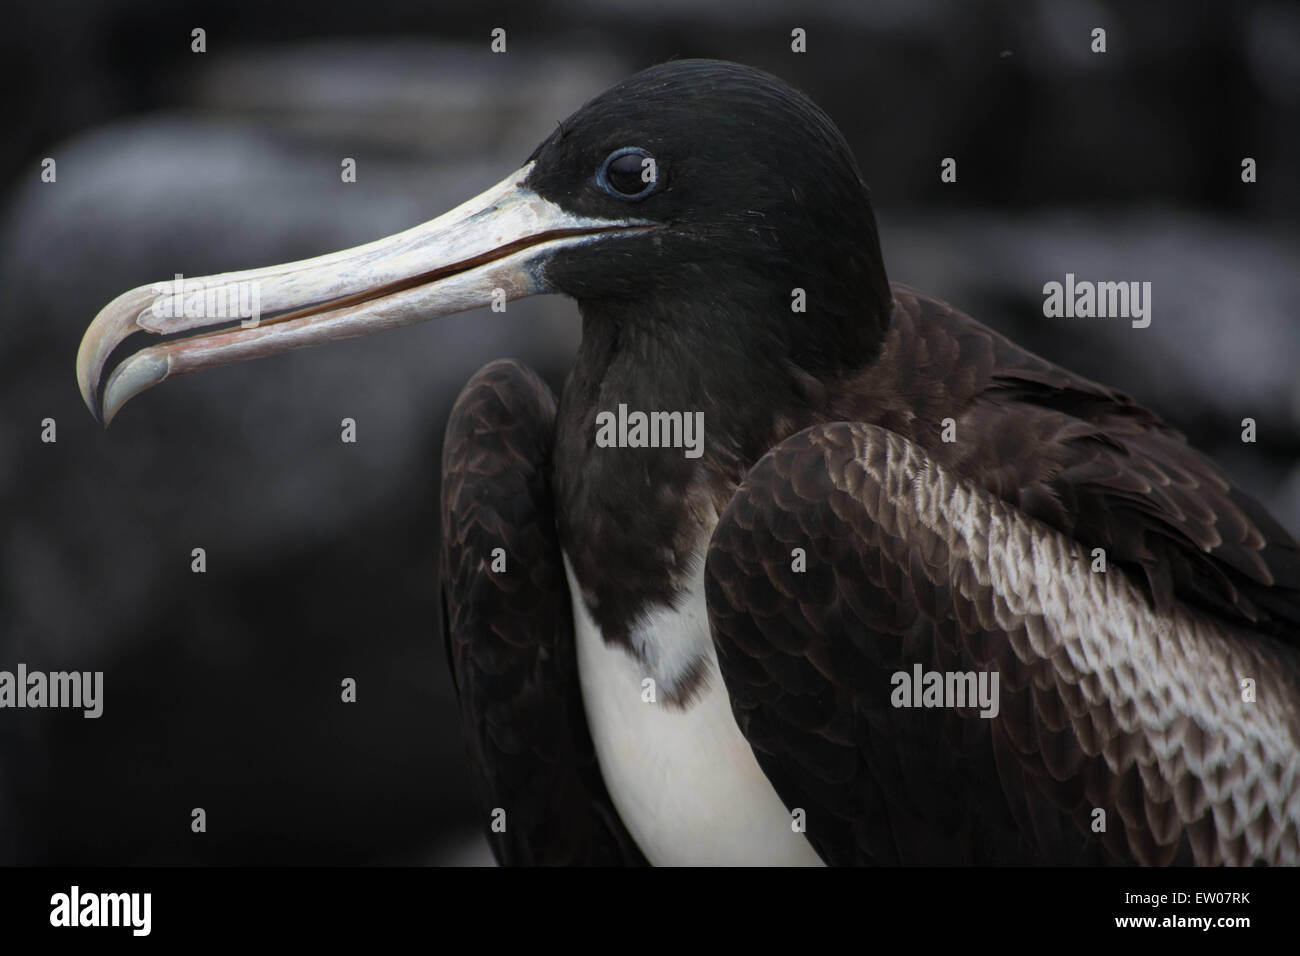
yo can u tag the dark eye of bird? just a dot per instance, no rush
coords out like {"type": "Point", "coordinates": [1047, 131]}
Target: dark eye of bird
{"type": "Point", "coordinates": [628, 173]}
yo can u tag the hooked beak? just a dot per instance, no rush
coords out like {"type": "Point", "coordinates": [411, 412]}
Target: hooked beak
{"type": "Point", "coordinates": [488, 249]}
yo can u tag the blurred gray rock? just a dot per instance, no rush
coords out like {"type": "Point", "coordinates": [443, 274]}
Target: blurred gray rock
{"type": "Point", "coordinates": [1224, 338]}
{"type": "Point", "coordinates": [247, 462]}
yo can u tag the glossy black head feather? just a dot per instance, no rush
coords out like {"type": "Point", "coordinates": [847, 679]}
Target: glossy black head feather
{"type": "Point", "coordinates": [756, 194]}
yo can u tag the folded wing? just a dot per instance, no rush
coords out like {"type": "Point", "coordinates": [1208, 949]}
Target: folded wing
{"type": "Point", "coordinates": [850, 556]}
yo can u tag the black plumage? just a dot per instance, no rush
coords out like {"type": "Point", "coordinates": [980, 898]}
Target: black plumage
{"type": "Point", "coordinates": [699, 317]}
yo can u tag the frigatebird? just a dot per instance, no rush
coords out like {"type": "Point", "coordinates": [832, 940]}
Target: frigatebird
{"type": "Point", "coordinates": [768, 651]}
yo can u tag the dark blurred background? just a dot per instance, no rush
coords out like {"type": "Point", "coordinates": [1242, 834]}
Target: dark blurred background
{"type": "Point", "coordinates": [222, 689]}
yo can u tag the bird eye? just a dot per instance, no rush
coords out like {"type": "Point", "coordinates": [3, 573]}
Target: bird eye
{"type": "Point", "coordinates": [628, 173]}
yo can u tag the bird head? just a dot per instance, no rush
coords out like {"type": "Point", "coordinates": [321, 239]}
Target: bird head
{"type": "Point", "coordinates": [696, 192]}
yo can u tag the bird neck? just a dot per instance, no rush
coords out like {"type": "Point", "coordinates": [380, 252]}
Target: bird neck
{"type": "Point", "coordinates": [663, 413]}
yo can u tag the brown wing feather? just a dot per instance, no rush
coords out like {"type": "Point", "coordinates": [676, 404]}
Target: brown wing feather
{"type": "Point", "coordinates": [1104, 704]}
{"type": "Point", "coordinates": [509, 634]}
{"type": "Point", "coordinates": [1083, 458]}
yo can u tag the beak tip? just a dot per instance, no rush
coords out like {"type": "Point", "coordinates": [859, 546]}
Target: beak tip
{"type": "Point", "coordinates": [90, 395]}
{"type": "Point", "coordinates": [142, 370]}
{"type": "Point", "coordinates": [114, 323]}
{"type": "Point", "coordinates": [90, 399]}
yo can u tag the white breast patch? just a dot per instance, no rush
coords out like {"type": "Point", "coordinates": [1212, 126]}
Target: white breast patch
{"type": "Point", "coordinates": [685, 782]}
